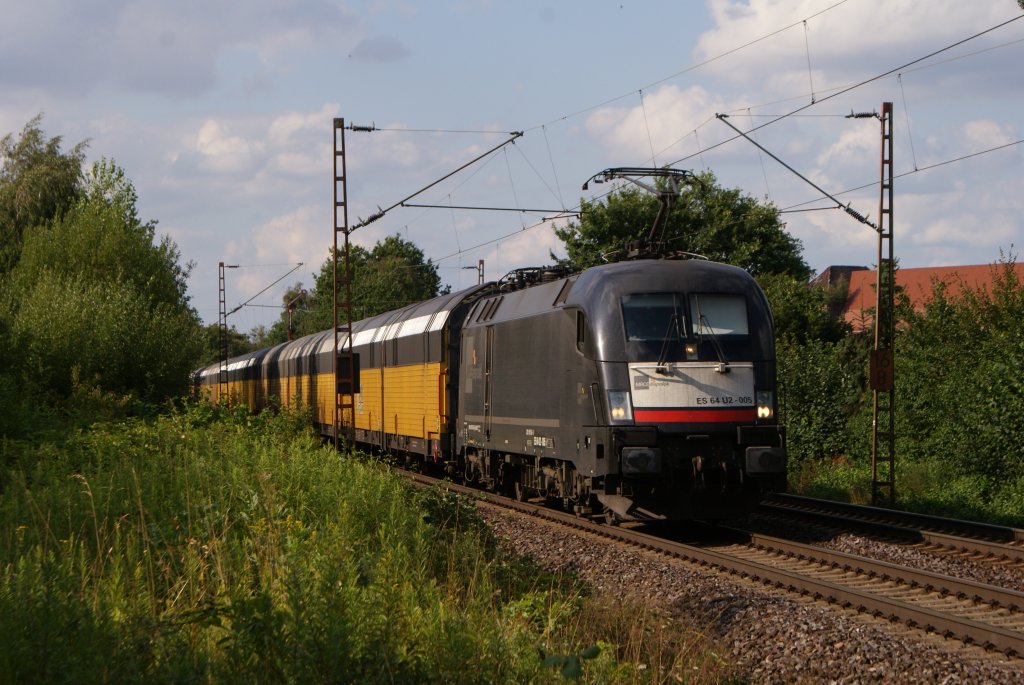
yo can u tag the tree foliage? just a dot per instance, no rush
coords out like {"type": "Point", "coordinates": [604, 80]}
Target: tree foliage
{"type": "Point", "coordinates": [392, 274]}
{"type": "Point", "coordinates": [718, 223]}
{"type": "Point", "coordinates": [821, 385]}
{"type": "Point", "coordinates": [38, 182]}
{"type": "Point", "coordinates": [101, 238]}
{"type": "Point", "coordinates": [96, 298]}
{"type": "Point", "coordinates": [238, 343]}
{"type": "Point", "coordinates": [819, 368]}
{"type": "Point", "coordinates": [801, 312]}
{"type": "Point", "coordinates": [960, 391]}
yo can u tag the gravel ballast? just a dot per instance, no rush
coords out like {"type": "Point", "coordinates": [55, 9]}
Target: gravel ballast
{"type": "Point", "coordinates": [772, 636]}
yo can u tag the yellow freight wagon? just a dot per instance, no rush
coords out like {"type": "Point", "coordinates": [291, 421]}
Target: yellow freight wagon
{"type": "Point", "coordinates": [405, 396]}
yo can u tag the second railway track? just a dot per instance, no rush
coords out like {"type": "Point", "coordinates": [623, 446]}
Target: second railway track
{"type": "Point", "coordinates": [973, 613]}
{"type": "Point", "coordinates": [985, 542]}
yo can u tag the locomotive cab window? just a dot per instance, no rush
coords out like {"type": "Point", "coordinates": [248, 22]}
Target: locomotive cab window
{"type": "Point", "coordinates": [654, 317]}
{"type": "Point", "coordinates": [719, 314]}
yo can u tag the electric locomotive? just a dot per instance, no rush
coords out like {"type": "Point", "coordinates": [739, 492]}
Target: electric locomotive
{"type": "Point", "coordinates": [639, 389]}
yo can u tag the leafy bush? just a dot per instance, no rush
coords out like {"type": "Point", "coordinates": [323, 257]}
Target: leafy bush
{"type": "Point", "coordinates": [74, 328]}
{"type": "Point", "coordinates": [211, 545]}
{"type": "Point", "coordinates": [819, 389]}
{"type": "Point", "coordinates": [96, 298]}
{"type": "Point", "coordinates": [960, 392]}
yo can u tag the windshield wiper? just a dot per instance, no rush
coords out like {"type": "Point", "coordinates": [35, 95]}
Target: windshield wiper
{"type": "Point", "coordinates": [673, 322]}
{"type": "Point", "coordinates": [723, 364]}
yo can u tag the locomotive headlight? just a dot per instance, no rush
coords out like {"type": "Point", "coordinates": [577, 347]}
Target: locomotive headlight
{"type": "Point", "coordinates": [619, 406]}
{"type": "Point", "coordinates": [764, 404]}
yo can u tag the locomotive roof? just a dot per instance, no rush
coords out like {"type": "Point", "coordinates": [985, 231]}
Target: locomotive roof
{"type": "Point", "coordinates": [595, 287]}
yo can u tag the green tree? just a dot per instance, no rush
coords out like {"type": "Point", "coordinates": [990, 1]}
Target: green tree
{"type": "Point", "coordinates": [721, 224]}
{"type": "Point", "coordinates": [801, 311]}
{"type": "Point", "coordinates": [103, 239]}
{"type": "Point", "coordinates": [38, 182]}
{"type": "Point", "coordinates": [95, 298]}
{"type": "Point", "coordinates": [391, 275]}
{"type": "Point", "coordinates": [820, 385]}
{"type": "Point", "coordinates": [959, 388]}
{"type": "Point", "coordinates": [820, 368]}
{"type": "Point", "coordinates": [238, 343]}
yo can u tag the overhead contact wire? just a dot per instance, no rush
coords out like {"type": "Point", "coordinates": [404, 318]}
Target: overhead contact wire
{"type": "Point", "coordinates": [866, 81]}
{"type": "Point", "coordinates": [551, 159]}
{"type": "Point", "coordinates": [906, 116]}
{"type": "Point", "coordinates": [692, 67]}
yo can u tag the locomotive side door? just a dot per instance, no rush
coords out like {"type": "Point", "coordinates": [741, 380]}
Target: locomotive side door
{"type": "Point", "coordinates": [488, 364]}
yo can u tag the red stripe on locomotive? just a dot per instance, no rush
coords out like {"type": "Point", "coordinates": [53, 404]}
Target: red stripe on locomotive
{"type": "Point", "coordinates": [694, 415]}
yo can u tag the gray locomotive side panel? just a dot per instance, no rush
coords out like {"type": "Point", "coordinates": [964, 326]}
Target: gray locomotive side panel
{"type": "Point", "coordinates": [524, 412]}
{"type": "Point", "coordinates": [527, 387]}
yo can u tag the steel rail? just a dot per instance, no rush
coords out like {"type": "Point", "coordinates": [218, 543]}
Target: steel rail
{"type": "Point", "coordinates": [963, 628]}
{"type": "Point", "coordinates": [981, 593]}
{"type": "Point", "coordinates": [998, 542]}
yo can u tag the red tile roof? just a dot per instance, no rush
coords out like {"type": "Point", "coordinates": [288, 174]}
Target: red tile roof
{"type": "Point", "coordinates": [917, 286]}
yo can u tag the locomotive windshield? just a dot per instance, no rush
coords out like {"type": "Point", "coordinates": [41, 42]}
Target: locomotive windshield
{"type": "Point", "coordinates": [719, 314]}
{"type": "Point", "coordinates": [657, 317]}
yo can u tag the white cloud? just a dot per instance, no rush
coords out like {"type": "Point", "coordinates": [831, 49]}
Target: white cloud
{"type": "Point", "coordinates": [298, 142]}
{"type": "Point", "coordinates": [277, 245]}
{"type": "Point", "coordinates": [379, 49]}
{"type": "Point", "coordinates": [525, 248]}
{"type": "Point", "coordinates": [293, 237]}
{"type": "Point", "coordinates": [157, 47]}
{"type": "Point", "coordinates": [221, 152]}
{"type": "Point", "coordinates": [877, 33]}
{"type": "Point", "coordinates": [664, 121]}
{"type": "Point", "coordinates": [986, 133]}
{"type": "Point", "coordinates": [854, 145]}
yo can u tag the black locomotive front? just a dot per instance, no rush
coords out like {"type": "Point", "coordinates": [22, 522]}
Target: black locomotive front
{"type": "Point", "coordinates": [686, 359]}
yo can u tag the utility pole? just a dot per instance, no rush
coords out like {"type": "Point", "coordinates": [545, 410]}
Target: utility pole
{"type": "Point", "coordinates": [222, 325]}
{"type": "Point", "coordinates": [343, 359]}
{"type": "Point", "coordinates": [479, 271]}
{"type": "Point", "coordinates": [291, 308]}
{"type": "Point", "coordinates": [883, 387]}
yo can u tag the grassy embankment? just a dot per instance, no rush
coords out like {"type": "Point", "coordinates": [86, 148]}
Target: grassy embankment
{"type": "Point", "coordinates": [930, 487]}
{"type": "Point", "coordinates": [211, 546]}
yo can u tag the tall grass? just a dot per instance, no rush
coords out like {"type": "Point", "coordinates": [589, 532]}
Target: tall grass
{"type": "Point", "coordinates": [933, 487]}
{"type": "Point", "coordinates": [214, 546]}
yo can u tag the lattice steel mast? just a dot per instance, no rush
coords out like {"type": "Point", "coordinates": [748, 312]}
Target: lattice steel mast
{"type": "Point", "coordinates": [222, 327]}
{"type": "Point", "coordinates": [343, 357]}
{"type": "Point", "coordinates": [883, 416]}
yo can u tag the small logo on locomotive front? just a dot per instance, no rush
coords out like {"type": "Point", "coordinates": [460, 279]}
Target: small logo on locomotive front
{"type": "Point", "coordinates": [641, 382]}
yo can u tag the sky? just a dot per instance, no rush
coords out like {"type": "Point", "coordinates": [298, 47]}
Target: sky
{"type": "Point", "coordinates": [221, 112]}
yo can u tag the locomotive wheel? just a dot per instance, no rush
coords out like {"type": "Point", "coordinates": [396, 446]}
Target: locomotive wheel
{"type": "Point", "coordinates": [611, 518]}
{"type": "Point", "coordinates": [519, 492]}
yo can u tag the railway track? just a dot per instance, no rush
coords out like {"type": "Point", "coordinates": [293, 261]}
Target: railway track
{"type": "Point", "coordinates": [973, 613]}
{"type": "Point", "coordinates": [982, 541]}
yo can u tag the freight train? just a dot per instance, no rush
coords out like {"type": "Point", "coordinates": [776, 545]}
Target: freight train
{"type": "Point", "coordinates": [637, 390]}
